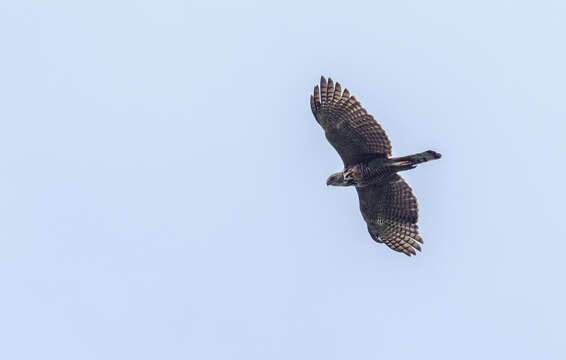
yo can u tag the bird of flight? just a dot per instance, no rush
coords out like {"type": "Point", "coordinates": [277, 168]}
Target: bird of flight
{"type": "Point", "coordinates": [387, 202]}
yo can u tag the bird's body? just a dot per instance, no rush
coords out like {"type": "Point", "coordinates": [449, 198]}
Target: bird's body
{"type": "Point", "coordinates": [386, 201]}
{"type": "Point", "coordinates": [379, 170]}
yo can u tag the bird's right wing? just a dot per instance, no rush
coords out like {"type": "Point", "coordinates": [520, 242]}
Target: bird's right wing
{"type": "Point", "coordinates": [348, 127]}
{"type": "Point", "coordinates": [391, 213]}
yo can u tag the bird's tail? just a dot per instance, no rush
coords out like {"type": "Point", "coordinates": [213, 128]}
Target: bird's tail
{"type": "Point", "coordinates": [410, 161]}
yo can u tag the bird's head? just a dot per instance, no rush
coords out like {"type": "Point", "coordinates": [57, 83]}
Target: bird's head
{"type": "Point", "coordinates": [337, 180]}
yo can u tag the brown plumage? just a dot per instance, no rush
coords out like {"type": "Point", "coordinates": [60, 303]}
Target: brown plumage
{"type": "Point", "coordinates": [387, 202]}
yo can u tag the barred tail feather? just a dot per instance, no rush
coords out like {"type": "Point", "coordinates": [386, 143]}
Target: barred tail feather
{"type": "Point", "coordinates": [415, 159]}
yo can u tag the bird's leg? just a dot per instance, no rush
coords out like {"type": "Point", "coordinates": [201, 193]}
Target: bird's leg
{"type": "Point", "coordinates": [348, 174]}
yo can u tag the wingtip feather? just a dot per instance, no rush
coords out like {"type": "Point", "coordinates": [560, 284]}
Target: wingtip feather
{"type": "Point", "coordinates": [323, 89]}
{"type": "Point", "coordinates": [330, 90]}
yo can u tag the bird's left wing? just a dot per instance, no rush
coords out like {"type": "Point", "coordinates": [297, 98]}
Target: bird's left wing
{"type": "Point", "coordinates": [391, 213]}
{"type": "Point", "coordinates": [347, 125]}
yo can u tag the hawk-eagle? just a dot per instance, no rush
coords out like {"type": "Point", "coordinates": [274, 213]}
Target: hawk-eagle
{"type": "Point", "coordinates": [387, 202]}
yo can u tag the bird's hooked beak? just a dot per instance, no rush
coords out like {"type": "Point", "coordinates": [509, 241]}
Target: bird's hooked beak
{"type": "Point", "coordinates": [335, 179]}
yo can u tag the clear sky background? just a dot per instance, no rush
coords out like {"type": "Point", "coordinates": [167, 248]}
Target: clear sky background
{"type": "Point", "coordinates": [162, 182]}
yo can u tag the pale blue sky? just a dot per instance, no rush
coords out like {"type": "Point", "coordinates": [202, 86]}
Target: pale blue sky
{"type": "Point", "coordinates": [163, 190]}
